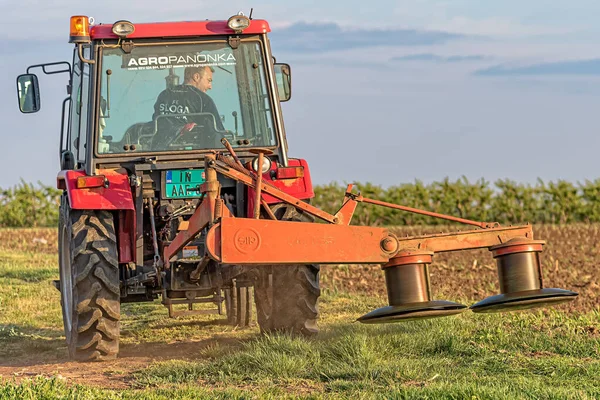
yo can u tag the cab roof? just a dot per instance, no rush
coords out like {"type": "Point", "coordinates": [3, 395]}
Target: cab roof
{"type": "Point", "coordinates": [179, 29]}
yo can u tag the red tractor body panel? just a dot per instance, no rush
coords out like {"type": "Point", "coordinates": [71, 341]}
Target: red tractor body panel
{"type": "Point", "coordinates": [300, 188]}
{"type": "Point", "coordinates": [179, 29]}
{"type": "Point", "coordinates": [126, 236]}
{"type": "Point", "coordinates": [117, 196]}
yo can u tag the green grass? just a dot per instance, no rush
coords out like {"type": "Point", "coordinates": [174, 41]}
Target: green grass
{"type": "Point", "coordinates": [464, 356]}
{"type": "Point", "coordinates": [539, 355]}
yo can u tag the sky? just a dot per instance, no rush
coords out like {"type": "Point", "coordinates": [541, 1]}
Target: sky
{"type": "Point", "coordinates": [386, 92]}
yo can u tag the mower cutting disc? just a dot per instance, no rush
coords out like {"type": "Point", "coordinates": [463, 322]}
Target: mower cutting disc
{"type": "Point", "coordinates": [412, 311]}
{"type": "Point", "coordinates": [523, 300]}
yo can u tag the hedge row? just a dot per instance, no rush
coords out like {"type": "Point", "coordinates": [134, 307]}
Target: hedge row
{"type": "Point", "coordinates": [505, 201]}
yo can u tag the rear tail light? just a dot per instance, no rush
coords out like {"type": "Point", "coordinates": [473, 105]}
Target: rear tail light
{"type": "Point", "coordinates": [290, 172]}
{"type": "Point", "coordinates": [91, 181]}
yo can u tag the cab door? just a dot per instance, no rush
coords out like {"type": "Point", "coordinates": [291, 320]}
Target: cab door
{"type": "Point", "coordinates": [77, 137]}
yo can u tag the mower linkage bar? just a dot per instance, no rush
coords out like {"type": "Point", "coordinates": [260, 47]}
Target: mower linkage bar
{"type": "Point", "coordinates": [359, 198]}
{"type": "Point", "coordinates": [344, 215]}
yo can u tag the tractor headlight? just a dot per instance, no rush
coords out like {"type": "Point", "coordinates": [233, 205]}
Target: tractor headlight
{"type": "Point", "coordinates": [123, 28]}
{"type": "Point", "coordinates": [265, 167]}
{"type": "Point", "coordinates": [238, 23]}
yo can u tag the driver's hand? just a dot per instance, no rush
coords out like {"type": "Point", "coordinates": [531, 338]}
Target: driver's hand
{"type": "Point", "coordinates": [188, 127]}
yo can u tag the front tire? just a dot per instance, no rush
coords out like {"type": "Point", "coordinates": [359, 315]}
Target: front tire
{"type": "Point", "coordinates": [89, 283]}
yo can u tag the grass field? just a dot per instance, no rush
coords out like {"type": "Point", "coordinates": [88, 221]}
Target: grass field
{"type": "Point", "coordinates": [544, 354]}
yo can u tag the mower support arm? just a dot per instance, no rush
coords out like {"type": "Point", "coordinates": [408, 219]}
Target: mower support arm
{"type": "Point", "coordinates": [251, 241]}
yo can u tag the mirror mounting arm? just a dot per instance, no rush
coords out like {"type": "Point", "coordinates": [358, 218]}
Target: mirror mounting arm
{"type": "Point", "coordinates": [47, 72]}
{"type": "Point", "coordinates": [81, 57]}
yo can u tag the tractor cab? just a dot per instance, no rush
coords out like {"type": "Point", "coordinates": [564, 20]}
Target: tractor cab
{"type": "Point", "coordinates": [167, 90]}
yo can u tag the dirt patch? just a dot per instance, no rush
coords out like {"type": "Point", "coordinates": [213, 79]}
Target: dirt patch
{"type": "Point", "coordinates": [113, 374]}
{"type": "Point", "coordinates": [108, 374]}
{"type": "Point", "coordinates": [541, 354]}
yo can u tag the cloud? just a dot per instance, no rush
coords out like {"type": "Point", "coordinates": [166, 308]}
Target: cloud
{"type": "Point", "coordinates": [429, 57]}
{"type": "Point", "coordinates": [506, 18]}
{"type": "Point", "coordinates": [576, 67]}
{"type": "Point", "coordinates": [321, 37]}
{"type": "Point", "coordinates": [492, 26]}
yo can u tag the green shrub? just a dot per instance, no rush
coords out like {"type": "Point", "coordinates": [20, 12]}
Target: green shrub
{"type": "Point", "coordinates": [27, 206]}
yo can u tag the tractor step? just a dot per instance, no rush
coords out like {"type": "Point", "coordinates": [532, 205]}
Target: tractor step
{"type": "Point", "coordinates": [189, 312]}
{"type": "Point", "coordinates": [169, 302]}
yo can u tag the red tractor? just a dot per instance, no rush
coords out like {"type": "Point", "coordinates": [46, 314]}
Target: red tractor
{"type": "Point", "coordinates": [173, 192]}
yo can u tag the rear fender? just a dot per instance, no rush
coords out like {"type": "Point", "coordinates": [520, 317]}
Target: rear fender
{"type": "Point", "coordinates": [117, 196]}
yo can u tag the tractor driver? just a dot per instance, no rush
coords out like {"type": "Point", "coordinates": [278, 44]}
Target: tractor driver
{"type": "Point", "coordinates": [188, 98]}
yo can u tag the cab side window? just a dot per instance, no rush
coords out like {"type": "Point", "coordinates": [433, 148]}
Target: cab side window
{"type": "Point", "coordinates": [80, 107]}
{"type": "Point", "coordinates": [75, 103]}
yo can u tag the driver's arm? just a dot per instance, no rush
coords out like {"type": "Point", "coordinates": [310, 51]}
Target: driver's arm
{"type": "Point", "coordinates": [209, 106]}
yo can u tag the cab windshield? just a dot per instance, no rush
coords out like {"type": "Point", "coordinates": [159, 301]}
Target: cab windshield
{"type": "Point", "coordinates": [183, 97]}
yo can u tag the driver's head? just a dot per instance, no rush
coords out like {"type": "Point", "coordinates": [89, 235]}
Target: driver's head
{"type": "Point", "coordinates": [199, 77]}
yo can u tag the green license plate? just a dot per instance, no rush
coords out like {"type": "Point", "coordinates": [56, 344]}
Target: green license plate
{"type": "Point", "coordinates": [183, 183]}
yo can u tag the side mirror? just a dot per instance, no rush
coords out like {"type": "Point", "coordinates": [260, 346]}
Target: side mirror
{"type": "Point", "coordinates": [283, 77]}
{"type": "Point", "coordinates": [28, 91]}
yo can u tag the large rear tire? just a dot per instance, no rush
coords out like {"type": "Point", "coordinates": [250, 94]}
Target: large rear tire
{"type": "Point", "coordinates": [287, 295]}
{"type": "Point", "coordinates": [89, 283]}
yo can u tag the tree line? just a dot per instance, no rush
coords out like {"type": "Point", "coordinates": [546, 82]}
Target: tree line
{"type": "Point", "coordinates": [504, 201]}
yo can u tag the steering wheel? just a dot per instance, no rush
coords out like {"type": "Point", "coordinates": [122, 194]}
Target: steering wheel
{"type": "Point", "coordinates": [202, 133]}
{"type": "Point", "coordinates": [195, 135]}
